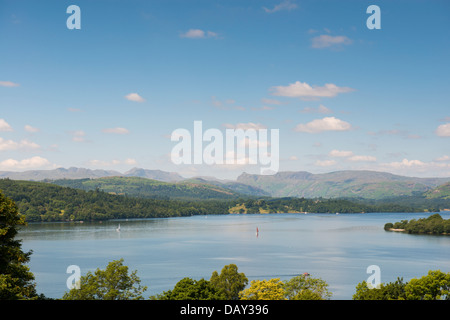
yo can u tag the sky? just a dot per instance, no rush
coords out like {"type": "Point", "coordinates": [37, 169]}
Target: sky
{"type": "Point", "coordinates": [110, 94]}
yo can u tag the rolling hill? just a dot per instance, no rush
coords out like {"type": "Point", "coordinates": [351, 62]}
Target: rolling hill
{"type": "Point", "coordinates": [352, 184]}
{"type": "Point", "coordinates": [40, 201]}
{"type": "Point", "coordinates": [149, 188]}
{"type": "Point", "coordinates": [441, 192]}
{"type": "Point", "coordinates": [83, 173]}
{"type": "Point", "coordinates": [341, 184]}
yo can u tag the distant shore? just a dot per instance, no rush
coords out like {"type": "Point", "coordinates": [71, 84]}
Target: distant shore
{"type": "Point", "coordinates": [396, 230]}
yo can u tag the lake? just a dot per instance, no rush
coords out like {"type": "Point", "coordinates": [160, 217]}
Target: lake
{"type": "Point", "coordinates": [336, 248]}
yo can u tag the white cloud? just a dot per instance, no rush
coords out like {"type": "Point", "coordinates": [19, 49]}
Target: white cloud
{"type": "Point", "coordinates": [325, 124]}
{"type": "Point", "coordinates": [418, 167]}
{"type": "Point", "coordinates": [134, 97]}
{"type": "Point", "coordinates": [244, 126]}
{"type": "Point", "coordinates": [253, 143]}
{"type": "Point", "coordinates": [304, 90]}
{"type": "Point", "coordinates": [284, 5]}
{"type": "Point", "coordinates": [4, 126]}
{"type": "Point", "coordinates": [325, 163]}
{"type": "Point", "coordinates": [102, 163]}
{"type": "Point", "coordinates": [362, 158]}
{"type": "Point", "coordinates": [116, 130]}
{"type": "Point", "coordinates": [6, 145]}
{"type": "Point", "coordinates": [338, 153]}
{"type": "Point", "coordinates": [270, 101]}
{"type": "Point", "coordinates": [8, 84]}
{"type": "Point", "coordinates": [198, 34]}
{"type": "Point", "coordinates": [320, 109]}
{"type": "Point", "coordinates": [228, 104]}
{"type": "Point", "coordinates": [130, 161]}
{"type": "Point", "coordinates": [78, 136]}
{"type": "Point", "coordinates": [216, 102]}
{"type": "Point", "coordinates": [193, 33]}
{"type": "Point", "coordinates": [349, 155]}
{"type": "Point", "coordinates": [443, 158]}
{"type": "Point", "coordinates": [31, 129]}
{"type": "Point", "coordinates": [325, 41]}
{"type": "Point", "coordinates": [211, 34]}
{"type": "Point", "coordinates": [30, 163]}
{"type": "Point", "coordinates": [406, 163]}
{"type": "Point", "coordinates": [443, 130]}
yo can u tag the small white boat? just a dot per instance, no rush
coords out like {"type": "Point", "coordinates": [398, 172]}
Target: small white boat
{"type": "Point", "coordinates": [118, 228]}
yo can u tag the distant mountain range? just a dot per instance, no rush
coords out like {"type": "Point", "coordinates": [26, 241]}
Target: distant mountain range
{"type": "Point", "coordinates": [339, 184]}
{"type": "Point", "coordinates": [82, 173]}
{"type": "Point", "coordinates": [151, 188]}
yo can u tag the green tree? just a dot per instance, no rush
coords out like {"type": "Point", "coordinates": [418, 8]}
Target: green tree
{"type": "Point", "coordinates": [113, 283]}
{"type": "Point", "coordinates": [363, 292]}
{"type": "Point", "coordinates": [434, 286]}
{"type": "Point", "coordinates": [264, 290]}
{"type": "Point", "coordinates": [388, 226]}
{"type": "Point", "coordinates": [304, 287]}
{"type": "Point", "coordinates": [230, 282]}
{"type": "Point", "coordinates": [390, 291]}
{"type": "Point", "coordinates": [16, 280]}
{"type": "Point", "coordinates": [189, 289]}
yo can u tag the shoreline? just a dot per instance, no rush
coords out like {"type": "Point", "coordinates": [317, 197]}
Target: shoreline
{"type": "Point", "coordinates": [426, 233]}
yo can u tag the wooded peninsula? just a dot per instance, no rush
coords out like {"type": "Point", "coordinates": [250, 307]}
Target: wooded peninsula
{"type": "Point", "coordinates": [434, 224]}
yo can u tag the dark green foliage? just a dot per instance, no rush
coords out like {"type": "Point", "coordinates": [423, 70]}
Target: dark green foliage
{"type": "Point", "coordinates": [229, 282]}
{"type": "Point", "coordinates": [434, 224]}
{"type": "Point", "coordinates": [189, 289]}
{"type": "Point", "coordinates": [16, 280]}
{"type": "Point", "coordinates": [113, 283]}
{"type": "Point", "coordinates": [433, 286]}
{"type": "Point", "coordinates": [40, 201]}
{"type": "Point", "coordinates": [292, 204]}
{"type": "Point", "coordinates": [390, 291]}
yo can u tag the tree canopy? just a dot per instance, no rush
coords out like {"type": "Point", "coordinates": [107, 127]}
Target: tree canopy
{"type": "Point", "coordinates": [113, 283]}
{"type": "Point", "coordinates": [190, 289]}
{"type": "Point", "coordinates": [271, 289]}
{"type": "Point", "coordinates": [16, 280]}
{"type": "Point", "coordinates": [433, 286]}
{"type": "Point", "coordinates": [229, 282]}
{"type": "Point", "coordinates": [304, 287]}
{"type": "Point", "coordinates": [433, 224]}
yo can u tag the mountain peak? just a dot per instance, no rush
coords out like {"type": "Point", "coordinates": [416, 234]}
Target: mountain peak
{"type": "Point", "coordinates": [153, 174]}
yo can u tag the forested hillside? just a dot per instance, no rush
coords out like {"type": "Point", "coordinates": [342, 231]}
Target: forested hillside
{"type": "Point", "coordinates": [40, 201]}
{"type": "Point", "coordinates": [149, 188]}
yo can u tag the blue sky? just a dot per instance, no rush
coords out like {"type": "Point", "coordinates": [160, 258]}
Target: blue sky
{"type": "Point", "coordinates": [341, 95]}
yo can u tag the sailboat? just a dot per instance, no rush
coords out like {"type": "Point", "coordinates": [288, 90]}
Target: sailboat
{"type": "Point", "coordinates": [118, 228]}
{"type": "Point", "coordinates": [257, 231]}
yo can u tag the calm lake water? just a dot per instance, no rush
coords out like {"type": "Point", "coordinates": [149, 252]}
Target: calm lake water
{"type": "Point", "coordinates": [336, 248]}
